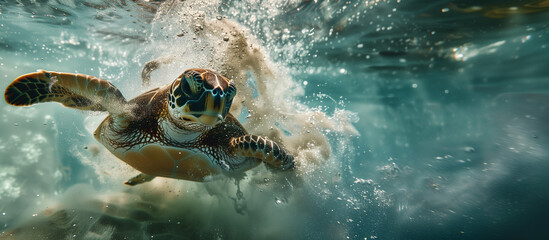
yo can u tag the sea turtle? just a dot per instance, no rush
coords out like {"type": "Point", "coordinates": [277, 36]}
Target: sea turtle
{"type": "Point", "coordinates": [183, 130]}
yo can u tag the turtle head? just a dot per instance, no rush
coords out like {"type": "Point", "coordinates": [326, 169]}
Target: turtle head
{"type": "Point", "coordinates": [200, 96]}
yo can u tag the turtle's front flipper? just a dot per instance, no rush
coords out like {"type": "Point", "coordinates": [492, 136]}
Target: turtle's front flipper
{"type": "Point", "coordinates": [72, 90]}
{"type": "Point", "coordinates": [141, 178]}
{"type": "Point", "coordinates": [263, 149]}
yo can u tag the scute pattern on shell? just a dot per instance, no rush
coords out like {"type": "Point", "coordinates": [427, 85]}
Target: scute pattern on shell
{"type": "Point", "coordinates": [143, 126]}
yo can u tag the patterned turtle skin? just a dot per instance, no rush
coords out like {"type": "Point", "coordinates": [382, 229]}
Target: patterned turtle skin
{"type": "Point", "coordinates": [183, 130]}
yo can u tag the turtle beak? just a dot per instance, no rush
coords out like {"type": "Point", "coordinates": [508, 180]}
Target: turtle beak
{"type": "Point", "coordinates": [209, 109]}
{"type": "Point", "coordinates": [210, 120]}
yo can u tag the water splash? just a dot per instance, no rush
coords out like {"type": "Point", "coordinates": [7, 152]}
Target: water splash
{"type": "Point", "coordinates": [268, 99]}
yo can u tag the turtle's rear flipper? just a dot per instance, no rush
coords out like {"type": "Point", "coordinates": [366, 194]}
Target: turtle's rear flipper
{"type": "Point", "coordinates": [151, 66]}
{"type": "Point", "coordinates": [264, 149]}
{"type": "Point", "coordinates": [141, 178]}
{"type": "Point", "coordinates": [72, 90]}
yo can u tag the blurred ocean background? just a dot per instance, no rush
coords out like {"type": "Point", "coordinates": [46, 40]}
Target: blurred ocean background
{"type": "Point", "coordinates": [410, 119]}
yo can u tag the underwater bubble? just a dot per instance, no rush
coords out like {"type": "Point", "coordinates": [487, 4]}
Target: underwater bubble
{"type": "Point", "coordinates": [469, 149]}
{"type": "Point", "coordinates": [364, 181]}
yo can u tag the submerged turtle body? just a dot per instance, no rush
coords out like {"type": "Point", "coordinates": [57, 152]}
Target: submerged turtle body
{"type": "Point", "coordinates": [183, 130]}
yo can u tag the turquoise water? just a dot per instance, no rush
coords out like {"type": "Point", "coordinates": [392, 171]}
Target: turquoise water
{"type": "Point", "coordinates": [409, 119]}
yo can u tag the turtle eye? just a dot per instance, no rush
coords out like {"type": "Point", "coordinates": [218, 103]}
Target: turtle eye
{"type": "Point", "coordinates": [230, 92]}
{"type": "Point", "coordinates": [192, 85]}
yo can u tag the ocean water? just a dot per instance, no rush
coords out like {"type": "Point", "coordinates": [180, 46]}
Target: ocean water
{"type": "Point", "coordinates": [409, 119]}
